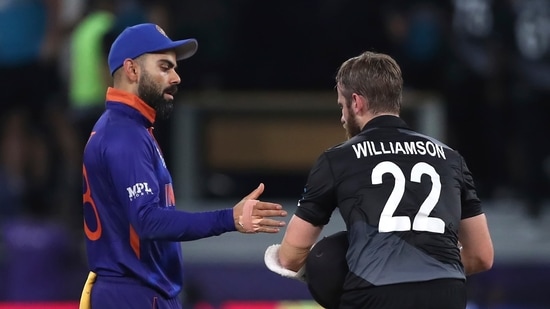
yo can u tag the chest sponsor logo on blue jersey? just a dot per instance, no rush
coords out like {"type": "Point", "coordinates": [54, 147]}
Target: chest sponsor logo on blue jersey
{"type": "Point", "coordinates": [137, 190]}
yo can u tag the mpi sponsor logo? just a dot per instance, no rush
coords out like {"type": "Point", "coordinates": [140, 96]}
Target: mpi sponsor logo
{"type": "Point", "coordinates": [137, 190]}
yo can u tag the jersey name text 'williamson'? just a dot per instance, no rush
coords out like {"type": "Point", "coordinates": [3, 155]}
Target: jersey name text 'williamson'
{"type": "Point", "coordinates": [370, 148]}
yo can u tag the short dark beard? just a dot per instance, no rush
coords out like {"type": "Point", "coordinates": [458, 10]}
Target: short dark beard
{"type": "Point", "coordinates": [154, 97]}
{"type": "Point", "coordinates": [351, 125]}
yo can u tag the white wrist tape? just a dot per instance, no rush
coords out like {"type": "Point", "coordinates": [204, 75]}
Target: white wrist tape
{"type": "Point", "coordinates": [271, 259]}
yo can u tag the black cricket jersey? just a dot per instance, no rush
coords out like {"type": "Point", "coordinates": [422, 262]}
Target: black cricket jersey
{"type": "Point", "coordinates": [402, 196]}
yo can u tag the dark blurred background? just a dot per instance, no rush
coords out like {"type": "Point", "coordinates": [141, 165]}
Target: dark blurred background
{"type": "Point", "coordinates": [257, 104]}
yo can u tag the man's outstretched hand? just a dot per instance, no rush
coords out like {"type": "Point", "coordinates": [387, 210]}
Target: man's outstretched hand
{"type": "Point", "coordinates": [254, 216]}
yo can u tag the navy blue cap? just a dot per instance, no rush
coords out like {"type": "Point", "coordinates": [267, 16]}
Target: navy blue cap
{"type": "Point", "coordinates": [146, 38]}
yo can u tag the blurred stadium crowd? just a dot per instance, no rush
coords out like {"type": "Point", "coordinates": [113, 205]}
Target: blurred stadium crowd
{"type": "Point", "coordinates": [489, 61]}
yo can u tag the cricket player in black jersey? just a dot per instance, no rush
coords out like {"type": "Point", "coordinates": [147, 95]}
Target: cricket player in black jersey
{"type": "Point", "coordinates": [414, 223]}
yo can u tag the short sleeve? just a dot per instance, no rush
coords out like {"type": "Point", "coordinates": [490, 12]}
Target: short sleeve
{"type": "Point", "coordinates": [471, 204]}
{"type": "Point", "coordinates": [318, 200]}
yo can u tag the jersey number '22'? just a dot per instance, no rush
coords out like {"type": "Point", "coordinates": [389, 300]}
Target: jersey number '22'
{"type": "Point", "coordinates": [422, 221]}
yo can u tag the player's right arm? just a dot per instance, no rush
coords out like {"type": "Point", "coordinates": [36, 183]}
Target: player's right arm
{"type": "Point", "coordinates": [297, 242]}
{"type": "Point", "coordinates": [129, 158]}
{"type": "Point", "coordinates": [314, 211]}
{"type": "Point", "coordinates": [477, 252]}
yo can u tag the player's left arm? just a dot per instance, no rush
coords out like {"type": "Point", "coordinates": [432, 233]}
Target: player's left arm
{"type": "Point", "coordinates": [477, 252]}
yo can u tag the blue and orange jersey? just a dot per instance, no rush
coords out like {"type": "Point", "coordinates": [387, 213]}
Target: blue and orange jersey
{"type": "Point", "coordinates": [132, 226]}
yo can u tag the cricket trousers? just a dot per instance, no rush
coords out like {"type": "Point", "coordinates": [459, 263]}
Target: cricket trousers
{"type": "Point", "coordinates": [434, 294]}
{"type": "Point", "coordinates": [122, 293]}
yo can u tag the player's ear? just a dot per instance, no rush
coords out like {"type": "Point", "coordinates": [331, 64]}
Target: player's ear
{"type": "Point", "coordinates": [359, 103]}
{"type": "Point", "coordinates": [131, 69]}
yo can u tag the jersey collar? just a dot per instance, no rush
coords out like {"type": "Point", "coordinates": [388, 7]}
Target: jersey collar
{"type": "Point", "coordinates": [385, 121]}
{"type": "Point", "coordinates": [120, 96]}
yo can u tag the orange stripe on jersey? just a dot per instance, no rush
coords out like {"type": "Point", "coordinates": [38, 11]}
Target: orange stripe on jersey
{"type": "Point", "coordinates": [91, 134]}
{"type": "Point", "coordinates": [170, 196]}
{"type": "Point", "coordinates": [129, 99]}
{"type": "Point", "coordinates": [134, 241]}
{"type": "Point", "coordinates": [150, 130]}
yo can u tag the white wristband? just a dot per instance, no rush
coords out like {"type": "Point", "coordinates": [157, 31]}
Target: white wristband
{"type": "Point", "coordinates": [271, 259]}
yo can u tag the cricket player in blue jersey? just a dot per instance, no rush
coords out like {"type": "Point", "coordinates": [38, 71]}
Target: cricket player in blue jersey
{"type": "Point", "coordinates": [131, 224]}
